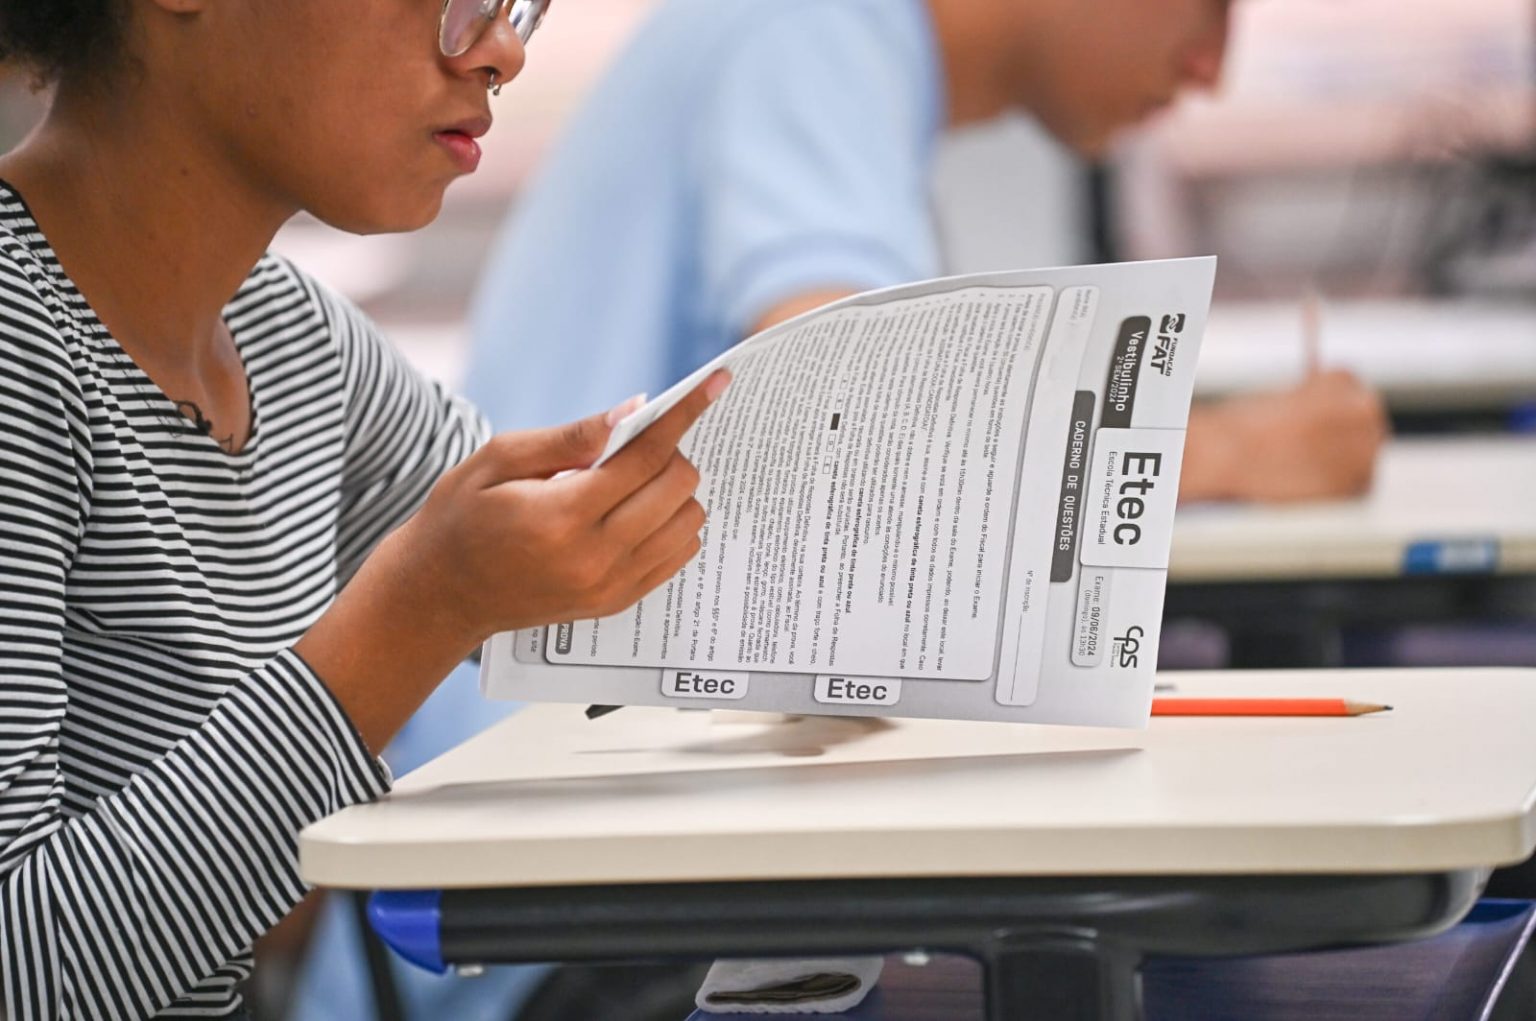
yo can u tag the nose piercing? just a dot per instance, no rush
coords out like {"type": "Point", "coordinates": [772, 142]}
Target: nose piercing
{"type": "Point", "coordinates": [493, 85]}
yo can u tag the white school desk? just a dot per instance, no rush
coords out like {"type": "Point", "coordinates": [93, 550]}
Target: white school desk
{"type": "Point", "coordinates": [1442, 504]}
{"type": "Point", "coordinates": [1057, 855]}
{"type": "Point", "coordinates": [1422, 355]}
{"type": "Point", "coordinates": [1447, 533]}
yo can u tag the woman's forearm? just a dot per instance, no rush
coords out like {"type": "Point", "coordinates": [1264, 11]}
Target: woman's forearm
{"type": "Point", "coordinates": [387, 641]}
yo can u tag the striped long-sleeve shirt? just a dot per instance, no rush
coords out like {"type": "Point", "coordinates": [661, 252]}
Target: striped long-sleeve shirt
{"type": "Point", "coordinates": [161, 745]}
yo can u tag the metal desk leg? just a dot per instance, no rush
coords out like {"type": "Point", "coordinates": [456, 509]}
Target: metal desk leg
{"type": "Point", "coordinates": [1061, 976]}
{"type": "Point", "coordinates": [387, 1004]}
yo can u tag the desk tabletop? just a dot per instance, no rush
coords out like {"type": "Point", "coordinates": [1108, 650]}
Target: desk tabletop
{"type": "Point", "coordinates": [1452, 504]}
{"type": "Point", "coordinates": [1446, 780]}
{"type": "Point", "coordinates": [1422, 355]}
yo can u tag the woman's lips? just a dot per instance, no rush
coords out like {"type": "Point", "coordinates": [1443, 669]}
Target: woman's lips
{"type": "Point", "coordinates": [459, 145]}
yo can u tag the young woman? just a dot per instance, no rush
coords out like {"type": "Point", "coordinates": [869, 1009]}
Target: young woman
{"type": "Point", "coordinates": [237, 543]}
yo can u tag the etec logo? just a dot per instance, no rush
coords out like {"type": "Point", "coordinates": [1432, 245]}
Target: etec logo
{"type": "Point", "coordinates": [1128, 646]}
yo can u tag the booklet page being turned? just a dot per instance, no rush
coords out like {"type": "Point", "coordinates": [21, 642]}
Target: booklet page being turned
{"type": "Point", "coordinates": [953, 498]}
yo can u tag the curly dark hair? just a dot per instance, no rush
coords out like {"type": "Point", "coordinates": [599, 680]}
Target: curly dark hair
{"type": "Point", "coordinates": [52, 36]}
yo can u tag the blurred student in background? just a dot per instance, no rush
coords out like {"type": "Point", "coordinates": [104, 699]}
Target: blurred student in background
{"type": "Point", "coordinates": [747, 160]}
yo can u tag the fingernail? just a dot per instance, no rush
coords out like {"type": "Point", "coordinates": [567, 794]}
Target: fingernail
{"type": "Point", "coordinates": [623, 411]}
{"type": "Point", "coordinates": [717, 383]}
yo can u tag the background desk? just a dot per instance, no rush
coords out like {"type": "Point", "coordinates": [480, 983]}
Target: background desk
{"type": "Point", "coordinates": [1425, 357]}
{"type": "Point", "coordinates": [1447, 533]}
{"type": "Point", "coordinates": [1058, 855]}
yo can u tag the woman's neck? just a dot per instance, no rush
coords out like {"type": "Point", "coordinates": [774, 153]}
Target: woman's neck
{"type": "Point", "coordinates": [156, 231]}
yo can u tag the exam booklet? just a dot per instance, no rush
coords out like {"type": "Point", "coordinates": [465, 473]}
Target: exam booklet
{"type": "Point", "coordinates": [947, 499]}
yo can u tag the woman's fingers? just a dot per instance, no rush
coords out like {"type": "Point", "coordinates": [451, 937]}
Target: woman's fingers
{"type": "Point", "coordinates": [652, 504]}
{"type": "Point", "coordinates": [540, 453]}
{"type": "Point", "coordinates": [649, 454]}
{"type": "Point", "coordinates": [669, 561]}
{"type": "Point", "coordinates": [678, 531]}
{"type": "Point", "coordinates": [661, 555]}
{"type": "Point", "coordinates": [592, 543]}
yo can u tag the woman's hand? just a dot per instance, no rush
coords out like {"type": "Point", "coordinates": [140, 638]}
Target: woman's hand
{"type": "Point", "coordinates": [506, 541]}
{"type": "Point", "coordinates": [506, 545]}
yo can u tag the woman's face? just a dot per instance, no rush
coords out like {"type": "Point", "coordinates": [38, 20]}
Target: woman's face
{"type": "Point", "coordinates": [344, 108]}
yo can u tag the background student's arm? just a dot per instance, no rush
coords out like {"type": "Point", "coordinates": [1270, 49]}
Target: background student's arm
{"type": "Point", "coordinates": [816, 187]}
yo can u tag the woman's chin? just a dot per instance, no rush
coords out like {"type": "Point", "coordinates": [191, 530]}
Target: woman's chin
{"type": "Point", "coordinates": [395, 216]}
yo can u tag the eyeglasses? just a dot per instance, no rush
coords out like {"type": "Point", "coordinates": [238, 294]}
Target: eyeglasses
{"type": "Point", "coordinates": [464, 21]}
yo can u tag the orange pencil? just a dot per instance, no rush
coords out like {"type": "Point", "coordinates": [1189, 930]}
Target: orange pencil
{"type": "Point", "coordinates": [1263, 707]}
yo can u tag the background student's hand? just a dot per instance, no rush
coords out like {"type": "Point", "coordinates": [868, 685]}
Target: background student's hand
{"type": "Point", "coordinates": [502, 544]}
{"type": "Point", "coordinates": [1317, 440]}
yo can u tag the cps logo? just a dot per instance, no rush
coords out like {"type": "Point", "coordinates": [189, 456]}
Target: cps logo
{"type": "Point", "coordinates": [1128, 646]}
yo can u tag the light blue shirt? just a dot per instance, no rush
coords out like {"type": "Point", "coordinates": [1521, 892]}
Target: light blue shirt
{"type": "Point", "coordinates": [739, 153]}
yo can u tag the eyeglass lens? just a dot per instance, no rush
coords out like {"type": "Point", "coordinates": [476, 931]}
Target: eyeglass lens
{"type": "Point", "coordinates": [465, 21]}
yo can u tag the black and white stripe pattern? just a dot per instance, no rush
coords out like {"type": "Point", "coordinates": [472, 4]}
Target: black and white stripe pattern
{"type": "Point", "coordinates": [160, 744]}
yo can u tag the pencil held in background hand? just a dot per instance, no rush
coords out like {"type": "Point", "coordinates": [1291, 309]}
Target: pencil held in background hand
{"type": "Point", "coordinates": [1312, 331]}
{"type": "Point", "coordinates": [1263, 707]}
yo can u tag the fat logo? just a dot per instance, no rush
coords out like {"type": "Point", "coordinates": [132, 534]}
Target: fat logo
{"type": "Point", "coordinates": [1128, 646]}
{"type": "Point", "coordinates": [1167, 343]}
